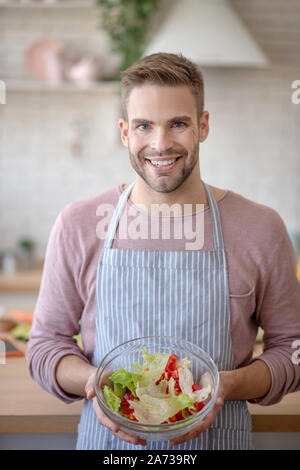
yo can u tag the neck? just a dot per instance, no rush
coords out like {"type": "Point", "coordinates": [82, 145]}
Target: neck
{"type": "Point", "coordinates": [185, 198]}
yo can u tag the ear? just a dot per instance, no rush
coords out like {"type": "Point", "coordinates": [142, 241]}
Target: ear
{"type": "Point", "coordinates": [203, 126]}
{"type": "Point", "coordinates": [123, 125]}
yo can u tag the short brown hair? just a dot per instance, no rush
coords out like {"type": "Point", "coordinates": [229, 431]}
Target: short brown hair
{"type": "Point", "coordinates": [163, 69]}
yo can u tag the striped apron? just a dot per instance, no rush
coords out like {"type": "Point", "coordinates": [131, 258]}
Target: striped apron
{"type": "Point", "coordinates": [186, 294]}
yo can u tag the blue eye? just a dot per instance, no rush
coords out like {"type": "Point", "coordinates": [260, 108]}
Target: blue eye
{"type": "Point", "coordinates": [143, 127]}
{"type": "Point", "coordinates": [179, 124]}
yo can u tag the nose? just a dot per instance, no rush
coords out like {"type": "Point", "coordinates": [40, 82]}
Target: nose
{"type": "Point", "coordinates": [160, 140]}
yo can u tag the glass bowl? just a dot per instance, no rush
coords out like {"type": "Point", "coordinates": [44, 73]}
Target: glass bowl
{"type": "Point", "coordinates": [203, 368]}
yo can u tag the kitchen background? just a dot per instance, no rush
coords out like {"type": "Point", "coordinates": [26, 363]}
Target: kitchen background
{"type": "Point", "coordinates": [60, 142]}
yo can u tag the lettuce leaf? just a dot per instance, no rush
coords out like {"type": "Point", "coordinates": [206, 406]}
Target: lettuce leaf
{"type": "Point", "coordinates": [171, 384]}
{"type": "Point", "coordinates": [119, 390]}
{"type": "Point", "coordinates": [186, 380]}
{"type": "Point", "coordinates": [155, 360]}
{"type": "Point", "coordinates": [185, 362]}
{"type": "Point", "coordinates": [112, 399]}
{"type": "Point", "coordinates": [155, 410]}
{"type": "Point", "coordinates": [203, 394]}
{"type": "Point", "coordinates": [142, 374]}
{"type": "Point", "coordinates": [152, 369]}
{"type": "Point", "coordinates": [186, 386]}
{"type": "Point", "coordinates": [125, 379]}
{"type": "Point", "coordinates": [151, 361]}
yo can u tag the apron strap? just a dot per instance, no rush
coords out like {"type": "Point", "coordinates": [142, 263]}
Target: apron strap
{"type": "Point", "coordinates": [216, 221]}
{"type": "Point", "coordinates": [116, 216]}
{"type": "Point", "coordinates": [217, 231]}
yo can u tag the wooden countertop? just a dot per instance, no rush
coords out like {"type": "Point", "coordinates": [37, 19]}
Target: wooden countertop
{"type": "Point", "coordinates": [26, 408]}
{"type": "Point", "coordinates": [22, 281]}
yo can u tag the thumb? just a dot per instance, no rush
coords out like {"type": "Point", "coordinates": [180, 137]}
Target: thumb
{"type": "Point", "coordinates": [90, 387]}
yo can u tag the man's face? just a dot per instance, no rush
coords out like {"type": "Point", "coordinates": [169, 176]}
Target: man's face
{"type": "Point", "coordinates": [163, 134]}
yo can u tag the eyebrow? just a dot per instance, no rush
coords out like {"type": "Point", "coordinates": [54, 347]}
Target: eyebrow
{"type": "Point", "coordinates": [176, 118]}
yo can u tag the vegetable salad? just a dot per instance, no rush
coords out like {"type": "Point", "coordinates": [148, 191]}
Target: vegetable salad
{"type": "Point", "coordinates": [161, 390]}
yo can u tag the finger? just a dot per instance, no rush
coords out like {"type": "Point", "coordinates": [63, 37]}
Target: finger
{"type": "Point", "coordinates": [206, 379]}
{"type": "Point", "coordinates": [103, 419]}
{"type": "Point", "coordinates": [90, 387]}
{"type": "Point", "coordinates": [130, 438]}
{"type": "Point", "coordinates": [199, 428]}
{"type": "Point", "coordinates": [90, 393]}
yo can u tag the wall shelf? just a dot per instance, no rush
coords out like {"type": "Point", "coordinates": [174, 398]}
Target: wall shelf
{"type": "Point", "coordinates": [66, 87]}
{"type": "Point", "coordinates": [83, 4]}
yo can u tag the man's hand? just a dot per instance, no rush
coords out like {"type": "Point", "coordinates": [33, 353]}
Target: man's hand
{"type": "Point", "coordinates": [245, 383]}
{"type": "Point", "coordinates": [104, 420]}
{"type": "Point", "coordinates": [206, 423]}
{"type": "Point", "coordinates": [114, 428]}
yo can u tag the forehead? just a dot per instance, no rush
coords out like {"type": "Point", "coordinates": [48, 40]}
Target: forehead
{"type": "Point", "coordinates": [160, 102]}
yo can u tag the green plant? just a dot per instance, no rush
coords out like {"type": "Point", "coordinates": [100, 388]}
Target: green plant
{"type": "Point", "coordinates": [127, 24]}
{"type": "Point", "coordinates": [27, 244]}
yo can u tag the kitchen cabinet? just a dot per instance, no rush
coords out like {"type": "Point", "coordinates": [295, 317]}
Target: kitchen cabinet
{"type": "Point", "coordinates": [27, 409]}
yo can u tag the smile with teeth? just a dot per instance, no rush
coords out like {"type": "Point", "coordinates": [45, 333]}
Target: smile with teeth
{"type": "Point", "coordinates": [159, 163]}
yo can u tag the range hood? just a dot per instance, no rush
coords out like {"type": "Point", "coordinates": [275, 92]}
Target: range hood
{"type": "Point", "coordinates": [208, 32]}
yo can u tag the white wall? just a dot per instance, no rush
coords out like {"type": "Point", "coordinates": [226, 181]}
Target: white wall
{"type": "Point", "coordinates": [253, 146]}
{"type": "Point", "coordinates": [254, 142]}
{"type": "Point", "coordinates": [38, 172]}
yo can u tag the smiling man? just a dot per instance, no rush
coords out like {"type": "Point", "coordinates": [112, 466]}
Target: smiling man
{"type": "Point", "coordinates": [164, 151]}
{"type": "Point", "coordinates": [216, 296]}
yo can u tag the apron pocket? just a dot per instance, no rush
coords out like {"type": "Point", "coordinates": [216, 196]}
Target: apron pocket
{"type": "Point", "coordinates": [243, 322]}
{"type": "Point", "coordinates": [245, 295]}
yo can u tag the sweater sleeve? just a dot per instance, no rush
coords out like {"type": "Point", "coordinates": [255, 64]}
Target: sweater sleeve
{"type": "Point", "coordinates": [57, 313]}
{"type": "Point", "coordinates": [278, 314]}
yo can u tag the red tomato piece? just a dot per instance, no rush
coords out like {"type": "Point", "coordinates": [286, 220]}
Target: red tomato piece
{"type": "Point", "coordinates": [171, 364]}
{"type": "Point", "coordinates": [132, 417]}
{"type": "Point", "coordinates": [179, 416]}
{"type": "Point", "coordinates": [172, 419]}
{"type": "Point", "coordinates": [128, 396]}
{"type": "Point", "coordinates": [196, 387]}
{"type": "Point", "coordinates": [199, 405]}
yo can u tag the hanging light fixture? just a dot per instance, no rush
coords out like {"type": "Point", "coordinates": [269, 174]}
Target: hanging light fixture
{"type": "Point", "coordinates": [208, 32]}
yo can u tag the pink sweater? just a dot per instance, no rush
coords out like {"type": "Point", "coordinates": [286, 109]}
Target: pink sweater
{"type": "Point", "coordinates": [264, 289]}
